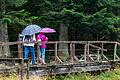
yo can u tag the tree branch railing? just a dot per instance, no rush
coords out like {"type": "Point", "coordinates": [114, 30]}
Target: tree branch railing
{"type": "Point", "coordinates": [86, 57]}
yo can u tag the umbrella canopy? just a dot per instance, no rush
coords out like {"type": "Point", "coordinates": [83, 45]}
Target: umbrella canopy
{"type": "Point", "coordinates": [31, 29]}
{"type": "Point", "coordinates": [47, 30]}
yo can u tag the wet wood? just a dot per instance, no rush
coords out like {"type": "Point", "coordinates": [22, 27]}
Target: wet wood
{"type": "Point", "coordinates": [66, 68]}
{"type": "Point", "coordinates": [87, 61]}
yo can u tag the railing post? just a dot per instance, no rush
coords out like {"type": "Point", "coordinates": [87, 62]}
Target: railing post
{"type": "Point", "coordinates": [71, 52]}
{"type": "Point", "coordinates": [85, 51]}
{"type": "Point", "coordinates": [20, 55]}
{"type": "Point", "coordinates": [98, 55]}
{"type": "Point", "coordinates": [73, 49]}
{"type": "Point", "coordinates": [102, 51]}
{"type": "Point", "coordinates": [20, 50]}
{"type": "Point", "coordinates": [88, 51]}
{"type": "Point", "coordinates": [56, 52]}
{"type": "Point", "coordinates": [115, 48]}
{"type": "Point", "coordinates": [38, 52]}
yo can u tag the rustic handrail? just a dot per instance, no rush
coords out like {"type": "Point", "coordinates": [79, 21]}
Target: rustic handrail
{"type": "Point", "coordinates": [53, 42]}
{"type": "Point", "coordinates": [87, 45]}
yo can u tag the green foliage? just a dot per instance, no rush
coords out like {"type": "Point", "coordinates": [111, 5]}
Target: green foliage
{"type": "Point", "coordinates": [96, 21]}
{"type": "Point", "coordinates": [111, 75]}
{"type": "Point", "coordinates": [16, 3]}
{"type": "Point", "coordinates": [12, 16]}
{"type": "Point", "coordinates": [21, 17]}
{"type": "Point", "coordinates": [108, 75]}
{"type": "Point", "coordinates": [99, 17]}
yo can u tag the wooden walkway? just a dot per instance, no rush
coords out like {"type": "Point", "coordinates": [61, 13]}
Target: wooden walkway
{"type": "Point", "coordinates": [84, 56]}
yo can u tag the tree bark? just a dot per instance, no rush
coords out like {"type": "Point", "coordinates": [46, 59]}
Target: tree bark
{"type": "Point", "coordinates": [4, 51]}
{"type": "Point", "coordinates": [4, 38]}
{"type": "Point", "coordinates": [63, 48]}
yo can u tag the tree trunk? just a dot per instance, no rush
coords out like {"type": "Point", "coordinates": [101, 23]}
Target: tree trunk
{"type": "Point", "coordinates": [4, 51]}
{"type": "Point", "coordinates": [63, 48]}
{"type": "Point", "coordinates": [4, 38]}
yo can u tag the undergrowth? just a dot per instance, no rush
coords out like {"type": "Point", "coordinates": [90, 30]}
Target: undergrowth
{"type": "Point", "coordinates": [107, 75]}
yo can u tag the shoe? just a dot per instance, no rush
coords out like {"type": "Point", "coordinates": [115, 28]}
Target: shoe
{"type": "Point", "coordinates": [31, 63]}
{"type": "Point", "coordinates": [35, 63]}
{"type": "Point", "coordinates": [43, 62]}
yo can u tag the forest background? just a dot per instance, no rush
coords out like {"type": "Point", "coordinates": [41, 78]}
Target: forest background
{"type": "Point", "coordinates": [73, 20]}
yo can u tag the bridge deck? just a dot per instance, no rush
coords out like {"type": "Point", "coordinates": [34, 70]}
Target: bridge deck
{"type": "Point", "coordinates": [66, 68]}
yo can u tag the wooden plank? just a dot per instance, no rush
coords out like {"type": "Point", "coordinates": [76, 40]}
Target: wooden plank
{"type": "Point", "coordinates": [67, 69]}
{"type": "Point", "coordinates": [14, 60]}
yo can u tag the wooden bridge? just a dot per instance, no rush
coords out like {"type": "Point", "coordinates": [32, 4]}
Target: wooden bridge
{"type": "Point", "coordinates": [83, 56]}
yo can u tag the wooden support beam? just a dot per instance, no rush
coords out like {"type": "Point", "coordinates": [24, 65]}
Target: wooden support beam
{"type": "Point", "coordinates": [73, 49]}
{"type": "Point", "coordinates": [98, 55]}
{"type": "Point", "coordinates": [102, 50]}
{"type": "Point", "coordinates": [20, 54]}
{"type": "Point", "coordinates": [91, 58]}
{"type": "Point", "coordinates": [115, 53]}
{"type": "Point", "coordinates": [105, 57]}
{"type": "Point", "coordinates": [85, 52]}
{"type": "Point", "coordinates": [115, 48]}
{"type": "Point", "coordinates": [71, 53]}
{"type": "Point", "coordinates": [88, 49]}
{"type": "Point", "coordinates": [75, 57]}
{"type": "Point", "coordinates": [56, 54]}
{"type": "Point", "coordinates": [58, 59]}
{"type": "Point", "coordinates": [97, 47]}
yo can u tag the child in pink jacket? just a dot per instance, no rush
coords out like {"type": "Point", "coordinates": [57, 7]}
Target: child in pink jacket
{"type": "Point", "coordinates": [43, 40]}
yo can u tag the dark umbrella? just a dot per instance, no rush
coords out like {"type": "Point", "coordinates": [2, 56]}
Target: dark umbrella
{"type": "Point", "coordinates": [31, 29]}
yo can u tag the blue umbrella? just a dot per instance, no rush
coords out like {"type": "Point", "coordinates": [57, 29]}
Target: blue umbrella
{"type": "Point", "coordinates": [31, 29]}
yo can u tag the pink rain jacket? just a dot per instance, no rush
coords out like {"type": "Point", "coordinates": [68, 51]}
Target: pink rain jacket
{"type": "Point", "coordinates": [43, 40]}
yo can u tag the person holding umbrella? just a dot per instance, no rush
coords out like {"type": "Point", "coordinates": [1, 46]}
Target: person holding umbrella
{"type": "Point", "coordinates": [41, 37]}
{"type": "Point", "coordinates": [29, 47]}
{"type": "Point", "coordinates": [29, 39]}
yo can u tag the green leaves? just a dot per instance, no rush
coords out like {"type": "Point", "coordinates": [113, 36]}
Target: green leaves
{"type": "Point", "coordinates": [21, 17]}
{"type": "Point", "coordinates": [17, 3]}
{"type": "Point", "coordinates": [6, 20]}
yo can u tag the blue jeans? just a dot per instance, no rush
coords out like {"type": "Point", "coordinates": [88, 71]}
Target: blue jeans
{"type": "Point", "coordinates": [28, 49]}
{"type": "Point", "coordinates": [42, 51]}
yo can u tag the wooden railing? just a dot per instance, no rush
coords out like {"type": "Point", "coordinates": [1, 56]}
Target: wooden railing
{"type": "Point", "coordinates": [86, 56]}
